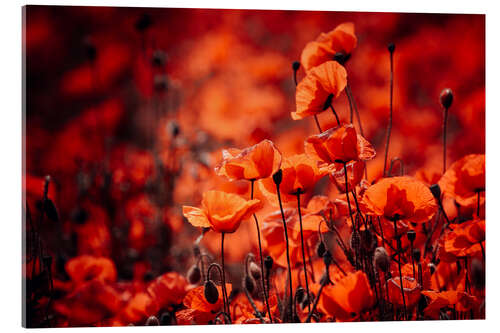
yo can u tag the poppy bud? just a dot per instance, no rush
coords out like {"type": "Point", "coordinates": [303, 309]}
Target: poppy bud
{"type": "Point", "coordinates": [165, 319]}
{"type": "Point", "coordinates": [159, 58]}
{"type": "Point", "coordinates": [152, 321]}
{"type": "Point", "coordinates": [411, 234]}
{"type": "Point", "coordinates": [143, 22]}
{"type": "Point", "coordinates": [160, 82]}
{"type": "Point", "coordinates": [278, 177]}
{"type": "Point", "coordinates": [300, 294]}
{"type": "Point", "coordinates": [446, 98]}
{"type": "Point", "coordinates": [327, 258]}
{"type": "Point", "coordinates": [255, 271]}
{"type": "Point", "coordinates": [296, 65]}
{"type": "Point", "coordinates": [381, 259]}
{"type": "Point", "coordinates": [367, 241]}
{"type": "Point", "coordinates": [174, 129]}
{"type": "Point", "coordinates": [416, 255]}
{"type": "Point", "coordinates": [391, 47]}
{"type": "Point", "coordinates": [194, 274]}
{"type": "Point", "coordinates": [90, 49]}
{"type": "Point", "coordinates": [211, 292]}
{"type": "Point", "coordinates": [268, 263]}
{"type": "Point", "coordinates": [477, 274]}
{"type": "Point", "coordinates": [249, 284]}
{"type": "Point", "coordinates": [432, 268]}
{"type": "Point", "coordinates": [436, 191]}
{"type": "Point", "coordinates": [355, 241]}
{"type": "Point", "coordinates": [320, 249]}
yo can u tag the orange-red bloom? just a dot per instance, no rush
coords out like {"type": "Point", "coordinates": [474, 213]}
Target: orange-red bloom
{"type": "Point", "coordinates": [464, 179]}
{"type": "Point", "coordinates": [400, 198]}
{"type": "Point", "coordinates": [341, 39]}
{"type": "Point", "coordinates": [411, 289]}
{"type": "Point", "coordinates": [314, 91]}
{"type": "Point", "coordinates": [348, 297]}
{"type": "Point", "coordinates": [465, 238]}
{"type": "Point", "coordinates": [252, 163]}
{"type": "Point", "coordinates": [221, 211]}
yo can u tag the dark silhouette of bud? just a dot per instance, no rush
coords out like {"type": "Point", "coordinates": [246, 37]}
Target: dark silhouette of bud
{"type": "Point", "coordinates": [300, 294]}
{"type": "Point", "coordinates": [416, 255]}
{"type": "Point", "coordinates": [278, 177]}
{"type": "Point", "coordinates": [339, 57]}
{"type": "Point", "coordinates": [327, 258]}
{"type": "Point", "coordinates": [446, 98]}
{"type": "Point", "coordinates": [432, 268]}
{"type": "Point", "coordinates": [268, 263]}
{"type": "Point", "coordinates": [249, 284]}
{"type": "Point", "coordinates": [211, 292]}
{"type": "Point", "coordinates": [173, 128]}
{"type": "Point", "coordinates": [159, 58]}
{"type": "Point", "coordinates": [160, 82]}
{"type": "Point", "coordinates": [320, 249]}
{"type": "Point", "coordinates": [354, 241]}
{"type": "Point", "coordinates": [367, 240]}
{"type": "Point", "coordinates": [79, 215]}
{"type": "Point", "coordinates": [381, 259]}
{"type": "Point", "coordinates": [90, 49]}
{"type": "Point", "coordinates": [144, 22]}
{"type": "Point", "coordinates": [411, 234]}
{"type": "Point", "coordinates": [166, 318]}
{"type": "Point", "coordinates": [255, 271]}
{"type": "Point", "coordinates": [391, 47]}
{"type": "Point", "coordinates": [436, 191]}
{"type": "Point", "coordinates": [296, 65]}
{"type": "Point", "coordinates": [194, 274]}
{"type": "Point", "coordinates": [152, 321]}
{"type": "Point", "coordinates": [477, 274]}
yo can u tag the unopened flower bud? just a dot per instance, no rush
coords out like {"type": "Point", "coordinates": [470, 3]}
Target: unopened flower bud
{"type": "Point", "coordinates": [268, 263]}
{"type": "Point", "coordinates": [446, 98]}
{"type": "Point", "coordinates": [194, 274]}
{"type": "Point", "coordinates": [381, 259]}
{"type": "Point", "coordinates": [320, 249]}
{"type": "Point", "coordinates": [165, 318]}
{"type": "Point", "coordinates": [327, 258]}
{"type": "Point", "coordinates": [159, 58]}
{"type": "Point", "coordinates": [355, 241]}
{"type": "Point", "coordinates": [249, 284]}
{"type": "Point", "coordinates": [367, 240]}
{"type": "Point", "coordinates": [391, 47]}
{"type": "Point", "coordinates": [278, 177]}
{"type": "Point", "coordinates": [152, 321]}
{"type": "Point", "coordinates": [432, 268]}
{"type": "Point", "coordinates": [255, 271]}
{"type": "Point", "coordinates": [300, 294]}
{"type": "Point", "coordinates": [411, 234]}
{"type": "Point", "coordinates": [211, 292]}
{"type": "Point", "coordinates": [436, 191]}
{"type": "Point", "coordinates": [296, 65]}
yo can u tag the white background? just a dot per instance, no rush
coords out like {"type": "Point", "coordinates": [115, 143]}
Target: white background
{"type": "Point", "coordinates": [10, 156]}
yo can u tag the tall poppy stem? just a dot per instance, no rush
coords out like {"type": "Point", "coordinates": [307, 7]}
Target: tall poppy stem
{"type": "Point", "coordinates": [261, 257]}
{"type": "Point", "coordinates": [303, 250]}
{"type": "Point", "coordinates": [290, 303]}
{"type": "Point", "coordinates": [317, 124]}
{"type": "Point", "coordinates": [356, 111]}
{"type": "Point", "coordinates": [389, 125]}
{"type": "Point", "coordinates": [224, 291]}
{"type": "Point", "coordinates": [398, 241]}
{"type": "Point", "coordinates": [335, 114]}
{"type": "Point", "coordinates": [445, 120]}
{"type": "Point", "coordinates": [353, 224]}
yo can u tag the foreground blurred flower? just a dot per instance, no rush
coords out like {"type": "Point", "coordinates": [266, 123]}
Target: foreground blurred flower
{"type": "Point", "coordinates": [256, 162]}
{"type": "Point", "coordinates": [400, 198]}
{"type": "Point", "coordinates": [316, 91]}
{"type": "Point", "coordinates": [340, 40]}
{"type": "Point", "coordinates": [466, 239]}
{"type": "Point", "coordinates": [411, 291]}
{"type": "Point", "coordinates": [221, 211]}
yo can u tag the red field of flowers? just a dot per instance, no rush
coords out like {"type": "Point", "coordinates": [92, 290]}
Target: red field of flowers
{"type": "Point", "coordinates": [193, 166]}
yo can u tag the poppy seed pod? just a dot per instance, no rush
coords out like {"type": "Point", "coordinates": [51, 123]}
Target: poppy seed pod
{"type": "Point", "coordinates": [278, 177]}
{"type": "Point", "coordinates": [411, 234]}
{"type": "Point", "coordinates": [268, 263]}
{"type": "Point", "coordinates": [446, 98]}
{"type": "Point", "coordinates": [381, 259]}
{"type": "Point", "coordinates": [300, 294]}
{"type": "Point", "coordinates": [255, 271]}
{"type": "Point", "coordinates": [211, 293]}
{"type": "Point", "coordinates": [355, 241]}
{"type": "Point", "coordinates": [477, 274]}
{"type": "Point", "coordinates": [391, 47]}
{"type": "Point", "coordinates": [296, 65]}
{"type": "Point", "coordinates": [327, 258]}
{"type": "Point", "coordinates": [367, 240]}
{"type": "Point", "coordinates": [320, 249]}
{"type": "Point", "coordinates": [436, 191]}
{"type": "Point", "coordinates": [152, 321]}
{"type": "Point", "coordinates": [165, 318]}
{"type": "Point", "coordinates": [194, 274]}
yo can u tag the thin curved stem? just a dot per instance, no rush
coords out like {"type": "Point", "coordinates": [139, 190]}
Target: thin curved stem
{"type": "Point", "coordinates": [356, 111]}
{"type": "Point", "coordinates": [324, 281]}
{"type": "Point", "coordinates": [224, 291]}
{"type": "Point", "coordinates": [445, 120]}
{"type": "Point", "coordinates": [335, 114]}
{"type": "Point", "coordinates": [389, 125]}
{"type": "Point", "coordinates": [317, 123]}
{"type": "Point", "coordinates": [303, 250]}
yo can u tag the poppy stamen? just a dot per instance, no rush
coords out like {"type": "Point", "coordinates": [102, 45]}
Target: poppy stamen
{"type": "Point", "coordinates": [391, 48]}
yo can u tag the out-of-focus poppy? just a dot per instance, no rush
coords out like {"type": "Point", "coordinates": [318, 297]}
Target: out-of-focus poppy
{"type": "Point", "coordinates": [465, 179]}
{"type": "Point", "coordinates": [256, 162]}
{"type": "Point", "coordinates": [341, 39]}
{"type": "Point", "coordinates": [411, 289]}
{"type": "Point", "coordinates": [348, 297]}
{"type": "Point", "coordinates": [221, 211]}
{"type": "Point", "coordinates": [460, 300]}
{"type": "Point", "coordinates": [400, 198]}
{"type": "Point", "coordinates": [168, 289]}
{"type": "Point", "coordinates": [85, 268]}
{"type": "Point", "coordinates": [314, 93]}
{"type": "Point", "coordinates": [465, 238]}
{"type": "Point", "coordinates": [300, 174]}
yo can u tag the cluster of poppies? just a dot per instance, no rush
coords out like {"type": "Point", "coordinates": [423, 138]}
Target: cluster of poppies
{"type": "Point", "coordinates": [223, 209]}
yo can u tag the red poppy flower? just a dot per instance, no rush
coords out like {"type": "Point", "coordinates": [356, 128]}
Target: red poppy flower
{"type": "Point", "coordinates": [400, 198]}
{"type": "Point", "coordinates": [341, 39]}
{"type": "Point", "coordinates": [314, 91]}
{"type": "Point", "coordinates": [464, 179]}
{"type": "Point", "coordinates": [256, 162]}
{"type": "Point", "coordinates": [348, 297]}
{"type": "Point", "coordinates": [411, 289]}
{"type": "Point", "coordinates": [85, 268]}
{"type": "Point", "coordinates": [168, 289]}
{"type": "Point", "coordinates": [459, 300]}
{"type": "Point", "coordinates": [300, 174]}
{"type": "Point", "coordinates": [221, 211]}
{"type": "Point", "coordinates": [465, 238]}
